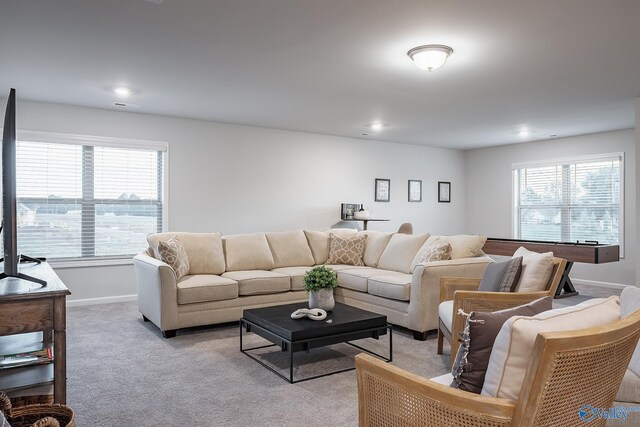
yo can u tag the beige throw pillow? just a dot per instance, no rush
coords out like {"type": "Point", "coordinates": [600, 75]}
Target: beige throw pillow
{"type": "Point", "coordinates": [173, 253]}
{"type": "Point", "coordinates": [435, 252]}
{"type": "Point", "coordinates": [349, 250]}
{"type": "Point", "coordinates": [536, 270]}
{"type": "Point", "coordinates": [514, 344]}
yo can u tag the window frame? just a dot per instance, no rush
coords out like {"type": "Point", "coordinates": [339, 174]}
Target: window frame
{"type": "Point", "coordinates": [112, 142]}
{"type": "Point", "coordinates": [569, 161]}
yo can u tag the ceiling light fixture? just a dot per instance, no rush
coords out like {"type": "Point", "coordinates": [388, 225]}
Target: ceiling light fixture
{"type": "Point", "coordinates": [524, 132]}
{"type": "Point", "coordinates": [430, 56]}
{"type": "Point", "coordinates": [122, 91]}
{"type": "Point", "coordinates": [376, 126]}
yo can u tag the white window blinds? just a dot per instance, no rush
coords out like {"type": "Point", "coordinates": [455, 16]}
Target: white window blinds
{"type": "Point", "coordinates": [570, 201]}
{"type": "Point", "coordinates": [78, 200]}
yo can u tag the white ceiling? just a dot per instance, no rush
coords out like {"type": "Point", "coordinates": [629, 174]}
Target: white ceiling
{"type": "Point", "coordinates": [334, 66]}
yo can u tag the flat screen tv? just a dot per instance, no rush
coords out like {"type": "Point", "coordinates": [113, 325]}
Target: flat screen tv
{"type": "Point", "coordinates": [9, 209]}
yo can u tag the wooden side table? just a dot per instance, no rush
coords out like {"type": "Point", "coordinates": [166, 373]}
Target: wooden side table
{"type": "Point", "coordinates": [364, 221]}
{"type": "Point", "coordinates": [27, 307]}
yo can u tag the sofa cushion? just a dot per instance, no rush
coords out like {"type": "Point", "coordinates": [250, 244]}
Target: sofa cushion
{"type": "Point", "coordinates": [536, 270]}
{"type": "Point", "coordinates": [290, 248]}
{"type": "Point", "coordinates": [514, 344]}
{"type": "Point", "coordinates": [462, 245]}
{"type": "Point", "coordinates": [296, 274]}
{"type": "Point", "coordinates": [392, 285]}
{"type": "Point", "coordinates": [430, 252]}
{"type": "Point", "coordinates": [400, 252]}
{"type": "Point", "coordinates": [204, 250]}
{"type": "Point", "coordinates": [356, 279]}
{"type": "Point", "coordinates": [206, 287]}
{"type": "Point", "coordinates": [173, 253]}
{"type": "Point", "coordinates": [479, 334]}
{"type": "Point", "coordinates": [501, 276]}
{"type": "Point", "coordinates": [340, 267]}
{"type": "Point", "coordinates": [630, 302]}
{"type": "Point", "coordinates": [445, 312]}
{"type": "Point", "coordinates": [247, 252]}
{"type": "Point", "coordinates": [374, 246]}
{"type": "Point", "coordinates": [259, 282]}
{"type": "Point", "coordinates": [346, 250]}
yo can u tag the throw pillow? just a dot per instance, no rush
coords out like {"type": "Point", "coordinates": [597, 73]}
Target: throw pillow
{"type": "Point", "coordinates": [478, 337]}
{"type": "Point", "coordinates": [501, 276]}
{"type": "Point", "coordinates": [462, 245]}
{"type": "Point", "coordinates": [536, 270]}
{"type": "Point", "coordinates": [435, 252]}
{"type": "Point", "coordinates": [173, 253]}
{"type": "Point", "coordinates": [514, 344]}
{"type": "Point", "coordinates": [346, 250]}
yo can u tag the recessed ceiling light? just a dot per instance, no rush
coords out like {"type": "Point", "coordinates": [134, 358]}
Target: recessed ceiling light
{"type": "Point", "coordinates": [122, 91]}
{"type": "Point", "coordinates": [524, 132]}
{"type": "Point", "coordinates": [376, 126]}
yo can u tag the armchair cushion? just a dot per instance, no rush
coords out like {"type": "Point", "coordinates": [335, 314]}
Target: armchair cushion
{"type": "Point", "coordinates": [445, 311]}
{"type": "Point", "coordinates": [514, 344]}
{"type": "Point", "coordinates": [479, 335]}
{"type": "Point", "coordinates": [536, 270]}
{"type": "Point", "coordinates": [501, 276]}
{"type": "Point", "coordinates": [630, 302]}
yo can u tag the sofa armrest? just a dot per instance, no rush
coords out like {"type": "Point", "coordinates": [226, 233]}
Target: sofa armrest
{"type": "Point", "coordinates": [425, 288]}
{"type": "Point", "coordinates": [157, 291]}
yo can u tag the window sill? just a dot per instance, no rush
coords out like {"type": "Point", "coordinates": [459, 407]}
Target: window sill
{"type": "Point", "coordinates": [90, 263]}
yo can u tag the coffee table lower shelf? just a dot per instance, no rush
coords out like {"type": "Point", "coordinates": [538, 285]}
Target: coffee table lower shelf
{"type": "Point", "coordinates": [307, 344]}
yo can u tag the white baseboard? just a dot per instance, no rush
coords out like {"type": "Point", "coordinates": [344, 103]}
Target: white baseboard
{"type": "Point", "coordinates": [102, 300]}
{"type": "Point", "coordinates": [598, 284]}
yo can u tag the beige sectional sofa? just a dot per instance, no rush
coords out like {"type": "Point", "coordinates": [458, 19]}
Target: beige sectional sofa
{"type": "Point", "coordinates": [229, 274]}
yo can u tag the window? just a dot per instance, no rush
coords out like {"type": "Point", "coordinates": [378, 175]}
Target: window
{"type": "Point", "coordinates": [87, 198]}
{"type": "Point", "coordinates": [573, 200]}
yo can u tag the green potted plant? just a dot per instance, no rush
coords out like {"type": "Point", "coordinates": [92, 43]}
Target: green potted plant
{"type": "Point", "coordinates": [319, 283]}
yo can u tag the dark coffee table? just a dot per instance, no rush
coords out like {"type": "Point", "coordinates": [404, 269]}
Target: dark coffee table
{"type": "Point", "coordinates": [346, 324]}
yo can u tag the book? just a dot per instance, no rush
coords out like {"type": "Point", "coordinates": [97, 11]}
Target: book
{"type": "Point", "coordinates": [36, 357]}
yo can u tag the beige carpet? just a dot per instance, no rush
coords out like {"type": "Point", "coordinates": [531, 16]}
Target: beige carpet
{"type": "Point", "coordinates": [121, 372]}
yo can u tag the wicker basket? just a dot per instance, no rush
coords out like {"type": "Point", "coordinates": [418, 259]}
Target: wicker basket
{"type": "Point", "coordinates": [40, 415]}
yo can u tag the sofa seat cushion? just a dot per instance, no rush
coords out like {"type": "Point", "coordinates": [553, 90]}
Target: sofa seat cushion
{"type": "Point", "coordinates": [259, 282]}
{"type": "Point", "coordinates": [629, 390]}
{"type": "Point", "coordinates": [206, 287]}
{"type": "Point", "coordinates": [296, 274]}
{"type": "Point", "coordinates": [357, 278]}
{"type": "Point", "coordinates": [391, 285]}
{"type": "Point", "coordinates": [445, 312]}
{"type": "Point", "coordinates": [290, 249]}
{"type": "Point", "coordinates": [247, 252]}
{"type": "Point", "coordinates": [341, 267]}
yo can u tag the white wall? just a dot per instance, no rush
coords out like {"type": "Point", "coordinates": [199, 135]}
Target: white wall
{"type": "Point", "coordinates": [637, 186]}
{"type": "Point", "coordinates": [237, 179]}
{"type": "Point", "coordinates": [489, 197]}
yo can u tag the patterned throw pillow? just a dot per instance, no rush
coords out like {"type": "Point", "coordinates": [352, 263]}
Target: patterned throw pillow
{"type": "Point", "coordinates": [173, 253]}
{"type": "Point", "coordinates": [346, 250]}
{"type": "Point", "coordinates": [438, 251]}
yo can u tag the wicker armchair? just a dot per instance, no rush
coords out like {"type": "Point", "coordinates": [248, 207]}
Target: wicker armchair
{"type": "Point", "coordinates": [567, 370]}
{"type": "Point", "coordinates": [465, 296]}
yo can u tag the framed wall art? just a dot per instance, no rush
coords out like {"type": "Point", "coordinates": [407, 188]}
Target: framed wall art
{"type": "Point", "coordinates": [415, 190]}
{"type": "Point", "coordinates": [444, 192]}
{"type": "Point", "coordinates": [383, 190]}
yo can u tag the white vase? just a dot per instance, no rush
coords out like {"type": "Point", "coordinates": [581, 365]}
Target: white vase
{"type": "Point", "coordinates": [322, 298]}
